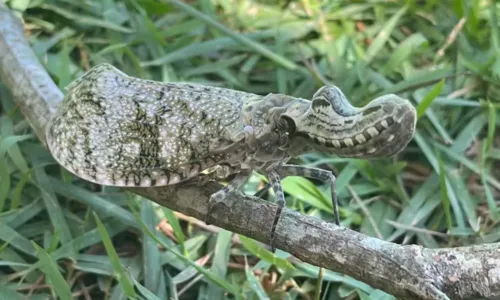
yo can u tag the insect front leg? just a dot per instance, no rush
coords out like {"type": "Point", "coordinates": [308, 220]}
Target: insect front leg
{"type": "Point", "coordinates": [313, 173]}
{"type": "Point", "coordinates": [221, 195]}
{"type": "Point", "coordinates": [275, 181]}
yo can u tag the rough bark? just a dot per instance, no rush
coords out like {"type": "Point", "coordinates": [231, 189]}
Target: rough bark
{"type": "Point", "coordinates": [20, 70]}
{"type": "Point", "coordinates": [461, 273]}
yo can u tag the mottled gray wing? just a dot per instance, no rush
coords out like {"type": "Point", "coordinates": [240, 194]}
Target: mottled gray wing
{"type": "Point", "coordinates": [113, 129]}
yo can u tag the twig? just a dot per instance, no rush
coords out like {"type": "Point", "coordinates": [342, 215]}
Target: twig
{"type": "Point", "coordinates": [365, 211]}
{"type": "Point", "coordinates": [451, 38]}
{"type": "Point", "coordinates": [415, 229]}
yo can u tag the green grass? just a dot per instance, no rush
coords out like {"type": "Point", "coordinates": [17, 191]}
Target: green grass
{"type": "Point", "coordinates": [61, 235]}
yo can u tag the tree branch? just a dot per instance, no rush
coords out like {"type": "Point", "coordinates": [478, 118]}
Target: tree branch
{"type": "Point", "coordinates": [404, 271]}
{"type": "Point", "coordinates": [20, 70]}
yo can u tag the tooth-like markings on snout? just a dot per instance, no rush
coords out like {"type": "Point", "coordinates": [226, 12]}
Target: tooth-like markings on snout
{"type": "Point", "coordinates": [317, 139]}
{"type": "Point", "coordinates": [321, 140]}
{"type": "Point", "coordinates": [372, 131]}
{"type": "Point", "coordinates": [349, 142]}
{"type": "Point", "coordinates": [358, 139]}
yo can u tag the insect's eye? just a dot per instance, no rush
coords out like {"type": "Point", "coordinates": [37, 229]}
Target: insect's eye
{"type": "Point", "coordinates": [282, 125]}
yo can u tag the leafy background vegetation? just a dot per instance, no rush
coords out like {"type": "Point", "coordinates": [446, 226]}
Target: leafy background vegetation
{"type": "Point", "coordinates": [62, 235]}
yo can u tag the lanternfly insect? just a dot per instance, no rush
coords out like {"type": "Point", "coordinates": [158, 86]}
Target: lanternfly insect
{"type": "Point", "coordinates": [113, 129]}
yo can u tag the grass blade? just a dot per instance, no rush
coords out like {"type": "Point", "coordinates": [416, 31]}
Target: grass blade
{"type": "Point", "coordinates": [154, 279]}
{"type": "Point", "coordinates": [214, 278]}
{"type": "Point", "coordinates": [118, 270]}
{"type": "Point", "coordinates": [254, 283]}
{"type": "Point", "coordinates": [50, 269]}
{"type": "Point", "coordinates": [220, 261]}
{"type": "Point", "coordinates": [265, 254]}
{"type": "Point", "coordinates": [85, 20]}
{"type": "Point", "coordinates": [52, 206]}
{"type": "Point", "coordinates": [259, 48]}
{"type": "Point", "coordinates": [428, 98]}
{"type": "Point", "coordinates": [174, 222]}
{"type": "Point", "coordinates": [444, 194]}
{"type": "Point", "coordinates": [384, 34]}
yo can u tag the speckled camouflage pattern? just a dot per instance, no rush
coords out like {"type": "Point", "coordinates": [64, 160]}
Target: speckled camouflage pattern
{"type": "Point", "coordinates": [118, 130]}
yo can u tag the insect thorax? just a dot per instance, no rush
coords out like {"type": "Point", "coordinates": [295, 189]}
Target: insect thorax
{"type": "Point", "coordinates": [268, 144]}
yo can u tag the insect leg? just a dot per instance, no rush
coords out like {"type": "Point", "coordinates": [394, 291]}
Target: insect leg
{"type": "Point", "coordinates": [221, 195]}
{"type": "Point", "coordinates": [224, 171]}
{"type": "Point", "coordinates": [263, 190]}
{"type": "Point", "coordinates": [313, 173]}
{"type": "Point", "coordinates": [219, 172]}
{"type": "Point", "coordinates": [275, 181]}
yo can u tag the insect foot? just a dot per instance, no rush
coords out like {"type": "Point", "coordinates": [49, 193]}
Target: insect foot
{"type": "Point", "coordinates": [214, 199]}
{"type": "Point", "coordinates": [222, 195]}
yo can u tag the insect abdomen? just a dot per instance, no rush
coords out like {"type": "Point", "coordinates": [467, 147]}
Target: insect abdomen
{"type": "Point", "coordinates": [113, 129]}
